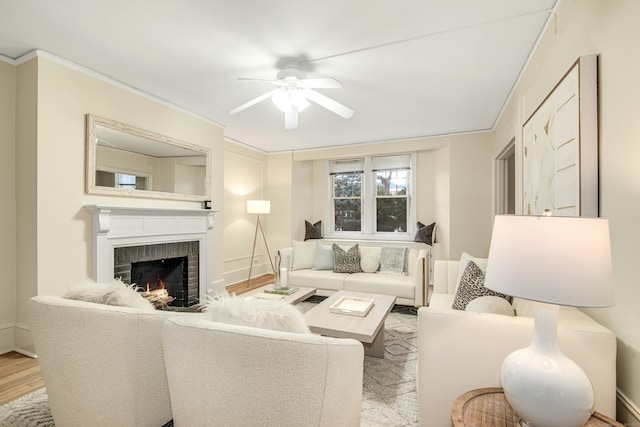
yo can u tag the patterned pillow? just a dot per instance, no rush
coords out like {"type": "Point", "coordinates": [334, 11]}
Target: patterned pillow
{"type": "Point", "coordinates": [425, 233]}
{"type": "Point", "coordinates": [346, 261]}
{"type": "Point", "coordinates": [312, 231]}
{"type": "Point", "coordinates": [394, 261]}
{"type": "Point", "coordinates": [472, 287]}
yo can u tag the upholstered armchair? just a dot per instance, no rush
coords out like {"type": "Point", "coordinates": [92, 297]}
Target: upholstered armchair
{"type": "Point", "coordinates": [230, 375]}
{"type": "Point", "coordinates": [102, 365]}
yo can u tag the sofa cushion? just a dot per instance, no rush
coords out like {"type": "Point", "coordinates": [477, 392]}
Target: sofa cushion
{"type": "Point", "coordinates": [472, 287]}
{"type": "Point", "coordinates": [394, 260]}
{"type": "Point", "coordinates": [323, 259]}
{"type": "Point", "coordinates": [490, 304]}
{"type": "Point", "coordinates": [464, 260]}
{"type": "Point", "coordinates": [319, 279]}
{"type": "Point", "coordinates": [385, 284]}
{"type": "Point", "coordinates": [276, 315]}
{"type": "Point", "coordinates": [113, 293]}
{"type": "Point", "coordinates": [312, 231]}
{"type": "Point", "coordinates": [369, 263]}
{"type": "Point", "coordinates": [304, 254]}
{"type": "Point", "coordinates": [346, 261]}
{"type": "Point", "coordinates": [425, 233]}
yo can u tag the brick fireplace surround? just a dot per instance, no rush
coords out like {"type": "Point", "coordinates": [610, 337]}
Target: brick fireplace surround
{"type": "Point", "coordinates": [118, 227]}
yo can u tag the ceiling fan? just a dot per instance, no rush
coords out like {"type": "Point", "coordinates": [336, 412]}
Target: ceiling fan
{"type": "Point", "coordinates": [293, 93]}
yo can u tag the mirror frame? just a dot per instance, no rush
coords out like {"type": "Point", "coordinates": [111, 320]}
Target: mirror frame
{"type": "Point", "coordinates": [91, 146]}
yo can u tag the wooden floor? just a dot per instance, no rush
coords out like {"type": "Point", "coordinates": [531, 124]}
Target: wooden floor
{"type": "Point", "coordinates": [256, 282]}
{"type": "Point", "coordinates": [20, 375]}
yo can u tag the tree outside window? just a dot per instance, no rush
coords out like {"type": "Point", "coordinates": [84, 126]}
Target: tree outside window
{"type": "Point", "coordinates": [391, 201]}
{"type": "Point", "coordinates": [347, 201]}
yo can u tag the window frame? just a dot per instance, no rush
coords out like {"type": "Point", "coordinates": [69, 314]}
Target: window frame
{"type": "Point", "coordinates": [368, 205]}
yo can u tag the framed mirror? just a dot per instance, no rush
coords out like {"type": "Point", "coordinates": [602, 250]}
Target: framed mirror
{"type": "Point", "coordinates": [124, 160]}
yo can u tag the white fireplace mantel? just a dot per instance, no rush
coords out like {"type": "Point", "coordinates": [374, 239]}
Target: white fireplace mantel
{"type": "Point", "coordinates": [116, 226]}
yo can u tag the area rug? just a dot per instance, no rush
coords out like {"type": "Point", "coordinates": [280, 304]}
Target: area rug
{"type": "Point", "coordinates": [389, 388]}
{"type": "Point", "coordinates": [28, 411]}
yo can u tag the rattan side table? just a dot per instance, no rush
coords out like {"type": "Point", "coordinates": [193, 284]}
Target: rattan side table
{"type": "Point", "coordinates": [487, 407]}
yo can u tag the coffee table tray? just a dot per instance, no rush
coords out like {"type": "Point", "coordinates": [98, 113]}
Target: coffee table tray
{"type": "Point", "coordinates": [352, 306]}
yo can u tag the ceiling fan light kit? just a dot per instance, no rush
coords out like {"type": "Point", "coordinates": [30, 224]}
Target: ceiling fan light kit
{"type": "Point", "coordinates": [295, 91]}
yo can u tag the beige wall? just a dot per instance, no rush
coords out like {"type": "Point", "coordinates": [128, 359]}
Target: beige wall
{"type": "Point", "coordinates": [26, 172]}
{"type": "Point", "coordinates": [53, 228]}
{"type": "Point", "coordinates": [609, 29]}
{"type": "Point", "coordinates": [244, 179]}
{"type": "Point", "coordinates": [471, 195]}
{"type": "Point", "coordinates": [7, 206]}
{"type": "Point", "coordinates": [296, 185]}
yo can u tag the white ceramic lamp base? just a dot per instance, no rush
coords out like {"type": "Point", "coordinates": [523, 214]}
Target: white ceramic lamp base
{"type": "Point", "coordinates": [544, 387]}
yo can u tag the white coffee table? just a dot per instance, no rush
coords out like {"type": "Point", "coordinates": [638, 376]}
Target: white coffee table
{"type": "Point", "coordinates": [369, 330]}
{"type": "Point", "coordinates": [300, 295]}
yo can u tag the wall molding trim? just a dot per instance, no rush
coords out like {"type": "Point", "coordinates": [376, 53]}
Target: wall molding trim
{"type": "Point", "coordinates": [92, 73]}
{"type": "Point", "coordinates": [624, 400]}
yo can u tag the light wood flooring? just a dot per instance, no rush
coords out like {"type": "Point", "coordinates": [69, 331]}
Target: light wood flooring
{"type": "Point", "coordinates": [20, 375]}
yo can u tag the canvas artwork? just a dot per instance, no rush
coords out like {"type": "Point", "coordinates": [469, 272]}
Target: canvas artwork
{"type": "Point", "coordinates": [559, 146]}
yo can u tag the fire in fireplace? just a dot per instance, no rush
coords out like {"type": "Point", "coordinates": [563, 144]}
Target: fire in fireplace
{"type": "Point", "coordinates": [167, 273]}
{"type": "Point", "coordinates": [162, 281]}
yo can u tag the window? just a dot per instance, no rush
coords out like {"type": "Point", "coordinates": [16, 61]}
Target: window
{"type": "Point", "coordinates": [125, 181]}
{"type": "Point", "coordinates": [346, 184]}
{"type": "Point", "coordinates": [392, 200]}
{"type": "Point", "coordinates": [370, 195]}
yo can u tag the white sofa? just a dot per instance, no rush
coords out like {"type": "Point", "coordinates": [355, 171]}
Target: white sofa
{"type": "Point", "coordinates": [408, 290]}
{"type": "Point", "coordinates": [231, 375]}
{"type": "Point", "coordinates": [102, 365]}
{"type": "Point", "coordinates": [463, 350]}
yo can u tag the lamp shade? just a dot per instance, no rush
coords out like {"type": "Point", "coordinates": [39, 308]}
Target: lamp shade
{"type": "Point", "coordinates": [258, 206]}
{"type": "Point", "coordinates": [556, 260]}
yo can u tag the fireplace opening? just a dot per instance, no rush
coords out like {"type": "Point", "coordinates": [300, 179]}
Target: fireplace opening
{"type": "Point", "coordinates": [163, 281]}
{"type": "Point", "coordinates": [166, 273]}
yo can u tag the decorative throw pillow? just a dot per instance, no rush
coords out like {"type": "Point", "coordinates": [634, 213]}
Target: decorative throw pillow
{"type": "Point", "coordinates": [472, 287]}
{"type": "Point", "coordinates": [464, 260]}
{"type": "Point", "coordinates": [394, 260]}
{"type": "Point", "coordinates": [113, 293]}
{"type": "Point", "coordinates": [276, 315]}
{"type": "Point", "coordinates": [312, 231]}
{"type": "Point", "coordinates": [490, 304]}
{"type": "Point", "coordinates": [323, 259]}
{"type": "Point", "coordinates": [346, 261]}
{"type": "Point", "coordinates": [369, 263]}
{"type": "Point", "coordinates": [425, 233]}
{"type": "Point", "coordinates": [304, 254]}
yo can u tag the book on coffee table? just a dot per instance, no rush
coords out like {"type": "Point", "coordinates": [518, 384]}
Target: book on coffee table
{"type": "Point", "coordinates": [281, 291]}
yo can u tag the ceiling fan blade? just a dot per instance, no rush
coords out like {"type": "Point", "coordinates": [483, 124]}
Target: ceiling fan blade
{"type": "Point", "coordinates": [275, 82]}
{"type": "Point", "coordinates": [253, 102]}
{"type": "Point", "coordinates": [291, 120]}
{"type": "Point", "coordinates": [322, 83]}
{"type": "Point", "coordinates": [330, 104]}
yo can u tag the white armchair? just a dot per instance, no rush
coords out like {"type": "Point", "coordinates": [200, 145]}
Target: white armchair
{"type": "Point", "coordinates": [230, 375]}
{"type": "Point", "coordinates": [102, 365]}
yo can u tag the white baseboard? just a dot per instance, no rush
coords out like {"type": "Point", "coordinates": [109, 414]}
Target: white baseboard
{"type": "Point", "coordinates": [242, 274]}
{"type": "Point", "coordinates": [631, 409]}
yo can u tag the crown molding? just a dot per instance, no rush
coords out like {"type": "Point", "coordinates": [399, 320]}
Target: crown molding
{"type": "Point", "coordinates": [96, 75]}
{"type": "Point", "coordinates": [7, 60]}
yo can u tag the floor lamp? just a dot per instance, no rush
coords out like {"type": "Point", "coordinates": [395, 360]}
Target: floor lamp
{"type": "Point", "coordinates": [258, 207]}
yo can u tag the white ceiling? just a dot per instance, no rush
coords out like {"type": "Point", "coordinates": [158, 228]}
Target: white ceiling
{"type": "Point", "coordinates": [410, 68]}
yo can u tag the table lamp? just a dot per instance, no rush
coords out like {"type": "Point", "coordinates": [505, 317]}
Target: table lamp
{"type": "Point", "coordinates": [552, 261]}
{"type": "Point", "coordinates": [258, 207]}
